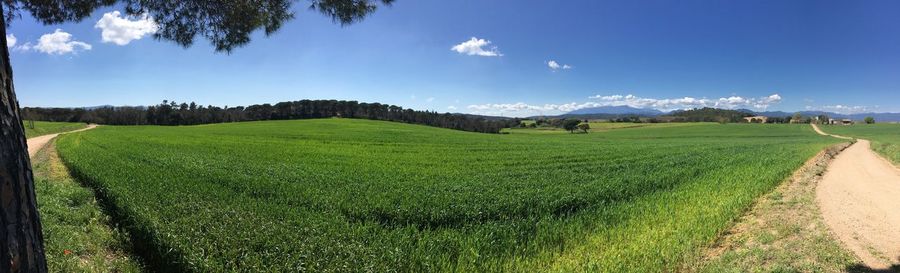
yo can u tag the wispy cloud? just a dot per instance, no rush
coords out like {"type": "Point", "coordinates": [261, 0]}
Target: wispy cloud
{"type": "Point", "coordinates": [843, 109]}
{"type": "Point", "coordinates": [665, 104]}
{"type": "Point", "coordinates": [476, 47]}
{"type": "Point", "coordinates": [668, 104]}
{"type": "Point", "coordinates": [57, 43]}
{"type": "Point", "coordinates": [556, 66]}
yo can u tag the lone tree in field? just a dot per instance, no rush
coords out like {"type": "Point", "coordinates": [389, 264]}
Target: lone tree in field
{"type": "Point", "coordinates": [584, 126]}
{"type": "Point", "coordinates": [870, 120]}
{"type": "Point", "coordinates": [571, 125]}
{"type": "Point", "coordinates": [227, 24]}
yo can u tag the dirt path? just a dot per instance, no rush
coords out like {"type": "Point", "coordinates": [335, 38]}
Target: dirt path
{"type": "Point", "coordinates": [36, 143]}
{"type": "Point", "coordinates": [859, 197]}
{"type": "Point", "coordinates": [819, 131]}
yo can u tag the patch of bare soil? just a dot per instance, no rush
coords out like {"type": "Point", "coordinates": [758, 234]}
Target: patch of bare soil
{"type": "Point", "coordinates": [36, 143]}
{"type": "Point", "coordinates": [860, 201]}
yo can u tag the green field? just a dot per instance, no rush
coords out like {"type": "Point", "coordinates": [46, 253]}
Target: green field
{"type": "Point", "coordinates": [885, 137]}
{"type": "Point", "coordinates": [78, 236]}
{"type": "Point", "coordinates": [357, 195]}
{"type": "Point", "coordinates": [47, 127]}
{"type": "Point", "coordinates": [598, 127]}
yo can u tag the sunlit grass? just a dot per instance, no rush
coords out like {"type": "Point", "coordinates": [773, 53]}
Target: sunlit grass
{"type": "Point", "coordinates": [885, 137]}
{"type": "Point", "coordinates": [47, 127]}
{"type": "Point", "coordinates": [78, 236]}
{"type": "Point", "coordinates": [358, 195]}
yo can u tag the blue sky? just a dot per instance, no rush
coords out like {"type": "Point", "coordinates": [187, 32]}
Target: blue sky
{"type": "Point", "coordinates": [839, 56]}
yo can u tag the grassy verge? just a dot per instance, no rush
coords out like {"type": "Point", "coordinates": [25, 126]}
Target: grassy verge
{"type": "Point", "coordinates": [783, 232]}
{"type": "Point", "coordinates": [885, 137]}
{"type": "Point", "coordinates": [77, 234]}
{"type": "Point", "coordinates": [46, 128]}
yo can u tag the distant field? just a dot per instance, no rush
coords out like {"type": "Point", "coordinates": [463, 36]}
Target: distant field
{"type": "Point", "coordinates": [358, 195]}
{"type": "Point", "coordinates": [599, 127]}
{"type": "Point", "coordinates": [885, 137]}
{"type": "Point", "coordinates": [46, 128]}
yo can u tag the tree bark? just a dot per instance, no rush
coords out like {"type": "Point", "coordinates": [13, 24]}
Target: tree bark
{"type": "Point", "coordinates": [21, 240]}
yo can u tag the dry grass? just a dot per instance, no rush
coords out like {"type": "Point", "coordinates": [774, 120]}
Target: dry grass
{"type": "Point", "coordinates": [78, 236]}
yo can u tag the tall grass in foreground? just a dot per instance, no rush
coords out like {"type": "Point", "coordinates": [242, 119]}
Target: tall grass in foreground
{"type": "Point", "coordinates": [77, 235]}
{"type": "Point", "coordinates": [357, 195]}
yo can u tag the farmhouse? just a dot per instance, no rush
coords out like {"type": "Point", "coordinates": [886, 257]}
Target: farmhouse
{"type": "Point", "coordinates": [760, 119]}
{"type": "Point", "coordinates": [845, 121]}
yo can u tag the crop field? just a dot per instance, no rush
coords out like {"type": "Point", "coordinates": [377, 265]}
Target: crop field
{"type": "Point", "coordinates": [597, 127]}
{"type": "Point", "coordinates": [885, 137]}
{"type": "Point", "coordinates": [356, 195]}
{"type": "Point", "coordinates": [47, 127]}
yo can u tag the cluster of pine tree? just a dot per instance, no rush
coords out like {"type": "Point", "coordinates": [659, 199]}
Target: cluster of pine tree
{"type": "Point", "coordinates": [708, 114]}
{"type": "Point", "coordinates": [172, 113]}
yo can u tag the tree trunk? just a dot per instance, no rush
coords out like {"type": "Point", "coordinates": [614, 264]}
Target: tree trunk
{"type": "Point", "coordinates": [21, 240]}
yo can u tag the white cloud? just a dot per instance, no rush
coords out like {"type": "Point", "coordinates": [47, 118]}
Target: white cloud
{"type": "Point", "coordinates": [553, 65]}
{"type": "Point", "coordinates": [122, 30]}
{"type": "Point", "coordinates": [524, 109]}
{"type": "Point", "coordinates": [556, 66]}
{"type": "Point", "coordinates": [10, 40]}
{"type": "Point", "coordinates": [844, 109]}
{"type": "Point", "coordinates": [430, 99]}
{"type": "Point", "coordinates": [451, 108]}
{"type": "Point", "coordinates": [521, 108]}
{"type": "Point", "coordinates": [732, 102]}
{"type": "Point", "coordinates": [475, 47]}
{"type": "Point", "coordinates": [59, 42]}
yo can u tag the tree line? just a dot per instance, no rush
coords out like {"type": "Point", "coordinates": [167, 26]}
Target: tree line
{"type": "Point", "coordinates": [708, 114]}
{"type": "Point", "coordinates": [173, 113]}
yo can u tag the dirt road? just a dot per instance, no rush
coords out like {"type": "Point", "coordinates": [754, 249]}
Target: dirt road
{"type": "Point", "coordinates": [859, 197]}
{"type": "Point", "coordinates": [819, 131]}
{"type": "Point", "coordinates": [36, 143]}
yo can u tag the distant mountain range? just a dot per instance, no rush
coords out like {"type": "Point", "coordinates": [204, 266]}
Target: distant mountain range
{"type": "Point", "coordinates": [616, 111]}
{"type": "Point", "coordinates": [886, 117]}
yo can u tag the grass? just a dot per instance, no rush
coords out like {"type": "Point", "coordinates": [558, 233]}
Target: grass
{"type": "Point", "coordinates": [783, 232]}
{"type": "Point", "coordinates": [885, 137]}
{"type": "Point", "coordinates": [597, 127]}
{"type": "Point", "coordinates": [47, 127]}
{"type": "Point", "coordinates": [355, 195]}
{"type": "Point", "coordinates": [77, 235]}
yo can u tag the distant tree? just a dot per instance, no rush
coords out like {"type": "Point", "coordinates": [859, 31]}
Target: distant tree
{"type": "Point", "coordinates": [822, 119]}
{"type": "Point", "coordinates": [571, 125]}
{"type": "Point", "coordinates": [226, 24]}
{"type": "Point", "coordinates": [797, 118]}
{"type": "Point", "coordinates": [870, 120]}
{"type": "Point", "coordinates": [708, 114]}
{"type": "Point", "coordinates": [584, 127]}
{"type": "Point", "coordinates": [775, 120]}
